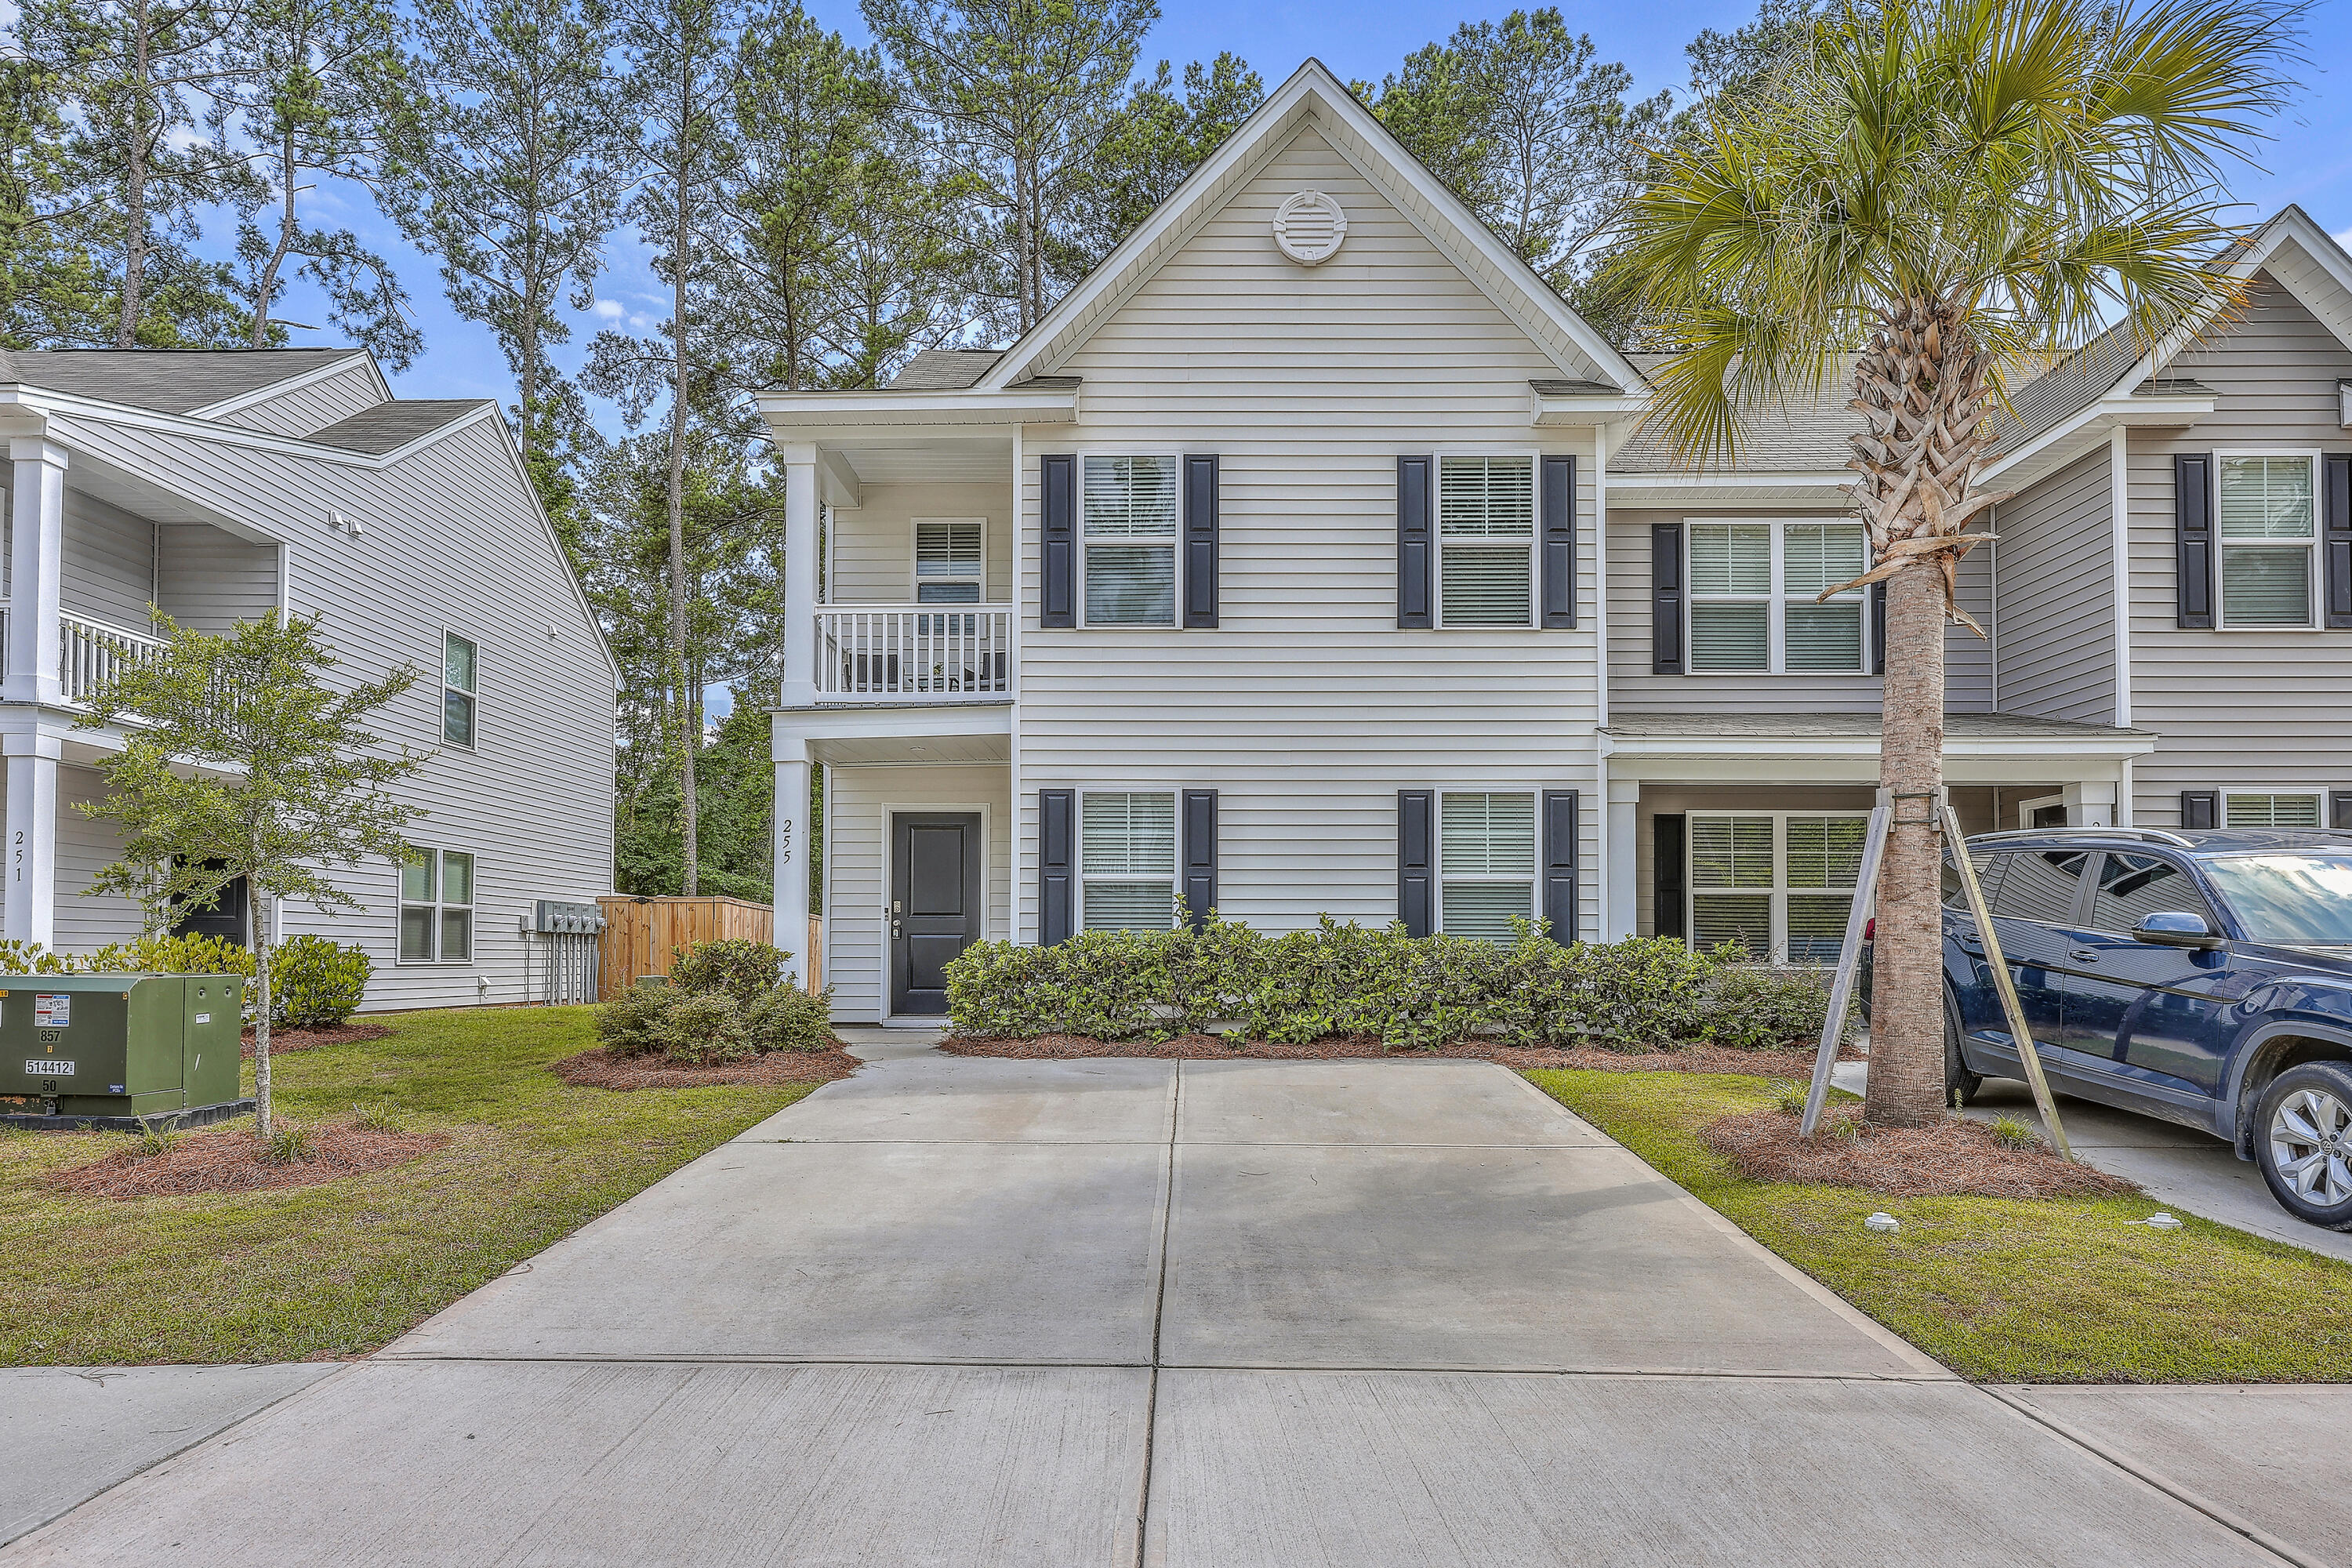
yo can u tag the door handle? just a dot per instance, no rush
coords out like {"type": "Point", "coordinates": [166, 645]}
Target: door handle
{"type": "Point", "coordinates": [2083, 955]}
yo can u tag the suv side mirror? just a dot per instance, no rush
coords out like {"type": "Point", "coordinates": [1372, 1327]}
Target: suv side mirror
{"type": "Point", "coordinates": [2176, 928]}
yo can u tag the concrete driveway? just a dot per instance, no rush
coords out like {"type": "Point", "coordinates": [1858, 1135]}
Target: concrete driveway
{"type": "Point", "coordinates": [1198, 1315]}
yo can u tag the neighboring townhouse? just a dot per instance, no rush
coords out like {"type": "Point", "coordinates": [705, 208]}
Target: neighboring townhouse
{"type": "Point", "coordinates": [218, 485]}
{"type": "Point", "coordinates": [1310, 558]}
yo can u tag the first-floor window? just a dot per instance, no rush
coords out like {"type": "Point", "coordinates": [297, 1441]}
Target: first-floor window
{"type": "Point", "coordinates": [1779, 884]}
{"type": "Point", "coordinates": [2296, 810]}
{"type": "Point", "coordinates": [1127, 859]}
{"type": "Point", "coordinates": [437, 907]}
{"type": "Point", "coordinates": [1486, 863]}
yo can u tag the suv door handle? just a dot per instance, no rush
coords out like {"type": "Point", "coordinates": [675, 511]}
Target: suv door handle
{"type": "Point", "coordinates": [2083, 955]}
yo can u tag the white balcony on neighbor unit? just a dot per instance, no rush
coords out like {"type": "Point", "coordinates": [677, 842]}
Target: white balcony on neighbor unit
{"type": "Point", "coordinates": [91, 653]}
{"type": "Point", "coordinates": [913, 653]}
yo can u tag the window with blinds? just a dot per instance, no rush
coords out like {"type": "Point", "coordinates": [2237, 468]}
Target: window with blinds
{"type": "Point", "coordinates": [2268, 533]}
{"type": "Point", "coordinates": [1485, 542]}
{"type": "Point", "coordinates": [1128, 508]}
{"type": "Point", "coordinates": [1127, 859]}
{"type": "Point", "coordinates": [1486, 864]}
{"type": "Point", "coordinates": [949, 559]}
{"type": "Point", "coordinates": [1780, 884]}
{"type": "Point", "coordinates": [2271, 810]}
{"type": "Point", "coordinates": [1752, 592]}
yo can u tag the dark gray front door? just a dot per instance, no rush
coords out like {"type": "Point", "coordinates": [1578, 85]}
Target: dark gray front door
{"type": "Point", "coordinates": [934, 903]}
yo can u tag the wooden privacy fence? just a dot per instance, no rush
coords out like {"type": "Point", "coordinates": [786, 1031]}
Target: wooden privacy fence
{"type": "Point", "coordinates": [641, 935]}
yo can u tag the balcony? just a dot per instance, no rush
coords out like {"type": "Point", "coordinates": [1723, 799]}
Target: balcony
{"type": "Point", "coordinates": [91, 653]}
{"type": "Point", "coordinates": [908, 653]}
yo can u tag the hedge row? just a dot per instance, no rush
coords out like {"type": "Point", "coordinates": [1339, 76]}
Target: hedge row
{"type": "Point", "coordinates": [1346, 980]}
{"type": "Point", "coordinates": [313, 982]}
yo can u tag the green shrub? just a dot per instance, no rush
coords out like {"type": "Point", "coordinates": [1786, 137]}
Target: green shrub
{"type": "Point", "coordinates": [630, 1024]}
{"type": "Point", "coordinates": [741, 968]}
{"type": "Point", "coordinates": [702, 1027]}
{"type": "Point", "coordinates": [1350, 981]}
{"type": "Point", "coordinates": [787, 1018]}
{"type": "Point", "coordinates": [171, 955]}
{"type": "Point", "coordinates": [316, 984]}
{"type": "Point", "coordinates": [32, 958]}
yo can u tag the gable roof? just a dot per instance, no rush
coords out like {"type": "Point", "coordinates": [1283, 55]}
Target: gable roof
{"type": "Point", "coordinates": [1313, 96]}
{"type": "Point", "coordinates": [944, 370]}
{"type": "Point", "coordinates": [388, 426]}
{"type": "Point", "coordinates": [166, 381]}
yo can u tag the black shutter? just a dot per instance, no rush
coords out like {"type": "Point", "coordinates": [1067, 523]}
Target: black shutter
{"type": "Point", "coordinates": [2336, 499]}
{"type": "Point", "coordinates": [1200, 855]}
{"type": "Point", "coordinates": [1560, 846]}
{"type": "Point", "coordinates": [1414, 543]}
{"type": "Point", "coordinates": [2192, 532]}
{"type": "Point", "coordinates": [1666, 598]}
{"type": "Point", "coordinates": [1416, 857]}
{"type": "Point", "coordinates": [1666, 875]}
{"type": "Point", "coordinates": [2340, 809]}
{"type": "Point", "coordinates": [1201, 542]}
{"type": "Point", "coordinates": [2201, 808]}
{"type": "Point", "coordinates": [1058, 477]}
{"type": "Point", "coordinates": [1559, 544]}
{"type": "Point", "coordinates": [1057, 811]}
{"type": "Point", "coordinates": [1878, 628]}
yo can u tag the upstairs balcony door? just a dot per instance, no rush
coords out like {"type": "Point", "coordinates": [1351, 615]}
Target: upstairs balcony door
{"type": "Point", "coordinates": [935, 904]}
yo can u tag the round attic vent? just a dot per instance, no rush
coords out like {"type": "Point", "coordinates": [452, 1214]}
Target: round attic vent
{"type": "Point", "coordinates": [1308, 228]}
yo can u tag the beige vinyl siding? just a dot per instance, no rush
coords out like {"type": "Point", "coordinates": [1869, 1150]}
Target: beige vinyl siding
{"type": "Point", "coordinates": [873, 545]}
{"type": "Point", "coordinates": [210, 579]}
{"type": "Point", "coordinates": [454, 539]}
{"type": "Point", "coordinates": [857, 865]}
{"type": "Point", "coordinates": [2237, 710]}
{"type": "Point", "coordinates": [351, 388]}
{"type": "Point", "coordinates": [1633, 689]}
{"type": "Point", "coordinates": [109, 574]}
{"type": "Point", "coordinates": [1307, 710]}
{"type": "Point", "coordinates": [2057, 596]}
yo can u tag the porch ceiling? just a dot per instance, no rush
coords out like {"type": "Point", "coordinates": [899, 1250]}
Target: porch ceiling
{"type": "Point", "coordinates": [912, 749]}
{"type": "Point", "coordinates": [146, 497]}
{"type": "Point", "coordinates": [911, 459]}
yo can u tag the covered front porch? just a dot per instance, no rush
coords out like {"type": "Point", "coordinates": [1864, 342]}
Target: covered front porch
{"type": "Point", "coordinates": [1732, 827]}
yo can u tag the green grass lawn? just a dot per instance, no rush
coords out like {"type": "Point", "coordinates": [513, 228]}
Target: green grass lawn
{"type": "Point", "coordinates": [339, 1268]}
{"type": "Point", "coordinates": [2002, 1289]}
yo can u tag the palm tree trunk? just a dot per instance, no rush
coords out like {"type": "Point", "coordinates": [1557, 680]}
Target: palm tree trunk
{"type": "Point", "coordinates": [1906, 1018]}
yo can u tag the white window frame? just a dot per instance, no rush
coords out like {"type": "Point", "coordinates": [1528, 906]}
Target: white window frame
{"type": "Point", "coordinates": [438, 904]}
{"type": "Point", "coordinates": [1776, 599]}
{"type": "Point", "coordinates": [1780, 889]}
{"type": "Point", "coordinates": [1438, 877]}
{"type": "Point", "coordinates": [1175, 849]}
{"type": "Point", "coordinates": [915, 578]}
{"type": "Point", "coordinates": [1175, 541]}
{"type": "Point", "coordinates": [2312, 457]}
{"type": "Point", "coordinates": [473, 697]}
{"type": "Point", "coordinates": [2317, 793]}
{"type": "Point", "coordinates": [1437, 540]}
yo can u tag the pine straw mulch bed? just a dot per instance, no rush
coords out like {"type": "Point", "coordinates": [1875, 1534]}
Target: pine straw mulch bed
{"type": "Point", "coordinates": [1209, 1048]}
{"type": "Point", "coordinates": [1954, 1157]}
{"type": "Point", "coordinates": [284, 1040]}
{"type": "Point", "coordinates": [599, 1070]}
{"type": "Point", "coordinates": [229, 1160]}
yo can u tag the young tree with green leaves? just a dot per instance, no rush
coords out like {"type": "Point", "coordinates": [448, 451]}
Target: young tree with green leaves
{"type": "Point", "coordinates": [508, 164]}
{"type": "Point", "coordinates": [240, 761]}
{"type": "Point", "coordinates": [1015, 98]}
{"type": "Point", "coordinates": [1158, 137]}
{"type": "Point", "coordinates": [313, 79]}
{"type": "Point", "coordinates": [1933, 191]}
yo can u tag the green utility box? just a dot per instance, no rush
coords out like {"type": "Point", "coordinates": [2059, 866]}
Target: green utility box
{"type": "Point", "coordinates": [121, 1047]}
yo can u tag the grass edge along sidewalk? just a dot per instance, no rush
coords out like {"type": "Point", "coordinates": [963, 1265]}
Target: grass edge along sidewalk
{"type": "Point", "coordinates": [2004, 1290]}
{"type": "Point", "coordinates": [336, 1269]}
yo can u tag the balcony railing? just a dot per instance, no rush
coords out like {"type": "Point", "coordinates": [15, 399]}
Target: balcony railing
{"type": "Point", "coordinates": [927, 653]}
{"type": "Point", "coordinates": [90, 654]}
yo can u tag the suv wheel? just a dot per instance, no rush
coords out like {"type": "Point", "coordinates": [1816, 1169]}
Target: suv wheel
{"type": "Point", "coordinates": [1961, 1085]}
{"type": "Point", "coordinates": [2302, 1142]}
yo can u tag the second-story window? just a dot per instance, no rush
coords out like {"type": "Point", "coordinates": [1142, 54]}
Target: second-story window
{"type": "Point", "coordinates": [1130, 540]}
{"type": "Point", "coordinates": [2267, 536]}
{"type": "Point", "coordinates": [1485, 542]}
{"type": "Point", "coordinates": [457, 690]}
{"type": "Point", "coordinates": [1752, 592]}
{"type": "Point", "coordinates": [948, 561]}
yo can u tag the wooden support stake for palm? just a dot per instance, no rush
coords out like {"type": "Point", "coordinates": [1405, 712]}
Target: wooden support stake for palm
{"type": "Point", "coordinates": [2003, 983]}
{"type": "Point", "coordinates": [1857, 921]}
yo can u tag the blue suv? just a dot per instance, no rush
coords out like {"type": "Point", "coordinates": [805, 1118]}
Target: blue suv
{"type": "Point", "coordinates": [2203, 976]}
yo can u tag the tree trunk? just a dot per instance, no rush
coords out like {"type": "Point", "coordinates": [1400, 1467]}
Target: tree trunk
{"type": "Point", "coordinates": [253, 897]}
{"type": "Point", "coordinates": [687, 739]}
{"type": "Point", "coordinates": [1907, 1016]}
{"type": "Point", "coordinates": [134, 193]}
{"type": "Point", "coordinates": [266, 290]}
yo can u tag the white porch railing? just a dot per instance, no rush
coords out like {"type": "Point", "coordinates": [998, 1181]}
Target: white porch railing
{"type": "Point", "coordinates": [91, 653]}
{"type": "Point", "coordinates": [929, 652]}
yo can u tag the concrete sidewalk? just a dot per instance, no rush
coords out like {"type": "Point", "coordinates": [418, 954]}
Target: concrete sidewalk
{"type": "Point", "coordinates": [1197, 1315]}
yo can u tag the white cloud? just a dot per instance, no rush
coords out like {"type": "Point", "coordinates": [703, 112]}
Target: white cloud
{"type": "Point", "coordinates": [609, 309]}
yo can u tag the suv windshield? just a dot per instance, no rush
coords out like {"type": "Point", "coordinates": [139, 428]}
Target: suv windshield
{"type": "Point", "coordinates": [2288, 896]}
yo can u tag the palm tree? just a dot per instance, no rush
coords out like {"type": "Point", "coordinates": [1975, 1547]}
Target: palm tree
{"type": "Point", "coordinates": [1942, 193]}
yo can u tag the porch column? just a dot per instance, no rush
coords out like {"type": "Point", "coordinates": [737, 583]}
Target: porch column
{"type": "Point", "coordinates": [790, 753]}
{"type": "Point", "coordinates": [2090, 804]}
{"type": "Point", "coordinates": [31, 906]}
{"type": "Point", "coordinates": [1618, 917]}
{"type": "Point", "coordinates": [35, 549]}
{"type": "Point", "coordinates": [801, 529]}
